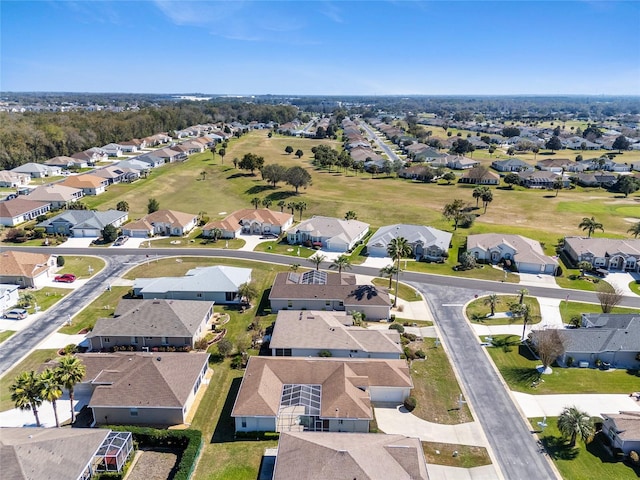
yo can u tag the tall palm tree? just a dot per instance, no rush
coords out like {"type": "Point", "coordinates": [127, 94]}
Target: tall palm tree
{"type": "Point", "coordinates": [51, 390]}
{"type": "Point", "coordinates": [317, 259]}
{"type": "Point", "coordinates": [26, 393]}
{"type": "Point", "coordinates": [301, 207]}
{"type": "Point", "coordinates": [291, 206]}
{"type": "Point", "coordinates": [388, 272]}
{"type": "Point", "coordinates": [635, 230]}
{"type": "Point", "coordinates": [478, 191]}
{"type": "Point", "coordinates": [266, 202]}
{"type": "Point", "coordinates": [351, 215]}
{"type": "Point", "coordinates": [573, 422]}
{"type": "Point", "coordinates": [590, 225]}
{"type": "Point", "coordinates": [255, 201]}
{"type": "Point", "coordinates": [247, 291]}
{"type": "Point", "coordinates": [398, 247]}
{"type": "Point", "coordinates": [282, 204]}
{"type": "Point", "coordinates": [492, 300]}
{"type": "Point", "coordinates": [558, 185]}
{"type": "Point", "coordinates": [522, 292]}
{"type": "Point", "coordinates": [71, 370]}
{"type": "Point", "coordinates": [341, 263]}
{"type": "Point", "coordinates": [487, 198]}
{"type": "Point", "coordinates": [216, 233]}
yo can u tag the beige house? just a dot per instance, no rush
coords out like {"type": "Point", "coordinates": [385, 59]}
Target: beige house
{"type": "Point", "coordinates": [19, 210]}
{"type": "Point", "coordinates": [526, 254]}
{"type": "Point", "coordinates": [608, 253]}
{"type": "Point", "coordinates": [332, 234]}
{"type": "Point", "coordinates": [25, 269]}
{"type": "Point", "coordinates": [623, 430]}
{"type": "Point", "coordinates": [259, 221]}
{"type": "Point", "coordinates": [88, 183]}
{"type": "Point", "coordinates": [60, 196]}
{"type": "Point", "coordinates": [9, 179]}
{"type": "Point", "coordinates": [162, 222]}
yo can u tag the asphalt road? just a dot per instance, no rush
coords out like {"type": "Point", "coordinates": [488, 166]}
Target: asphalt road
{"type": "Point", "coordinates": [508, 434]}
{"type": "Point", "coordinates": [390, 153]}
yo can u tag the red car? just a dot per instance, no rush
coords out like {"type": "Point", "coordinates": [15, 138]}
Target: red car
{"type": "Point", "coordinates": [66, 278]}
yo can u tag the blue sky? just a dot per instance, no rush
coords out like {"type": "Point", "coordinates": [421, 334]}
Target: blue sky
{"type": "Point", "coordinates": [321, 47]}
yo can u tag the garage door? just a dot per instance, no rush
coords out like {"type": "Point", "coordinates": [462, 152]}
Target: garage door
{"type": "Point", "coordinates": [386, 394]}
{"type": "Point", "coordinates": [86, 233]}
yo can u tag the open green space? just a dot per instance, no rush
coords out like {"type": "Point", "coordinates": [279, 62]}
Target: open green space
{"type": "Point", "coordinates": [31, 362]}
{"type": "Point", "coordinates": [5, 334]}
{"type": "Point", "coordinates": [405, 292]}
{"type": "Point", "coordinates": [571, 309]}
{"type": "Point", "coordinates": [80, 266]}
{"type": "Point", "coordinates": [584, 462]}
{"type": "Point", "coordinates": [283, 248]}
{"type": "Point", "coordinates": [194, 240]}
{"type": "Point", "coordinates": [478, 311]}
{"type": "Point", "coordinates": [46, 297]}
{"type": "Point", "coordinates": [635, 287]}
{"type": "Point", "coordinates": [436, 388]}
{"type": "Point", "coordinates": [103, 306]}
{"type": "Point", "coordinates": [467, 456]}
{"type": "Point", "coordinates": [518, 368]}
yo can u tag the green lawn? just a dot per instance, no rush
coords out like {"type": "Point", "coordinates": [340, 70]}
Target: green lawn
{"type": "Point", "coordinates": [517, 367]}
{"type": "Point", "coordinates": [571, 309]}
{"type": "Point", "coordinates": [405, 292]}
{"type": "Point", "coordinates": [584, 462]}
{"type": "Point", "coordinates": [477, 311]}
{"type": "Point", "coordinates": [635, 287]}
{"type": "Point", "coordinates": [4, 334]}
{"type": "Point", "coordinates": [48, 296]}
{"type": "Point", "coordinates": [80, 266]}
{"type": "Point", "coordinates": [103, 306]}
{"type": "Point", "coordinates": [31, 362]}
{"type": "Point", "coordinates": [436, 388]}
{"type": "Point", "coordinates": [283, 248]}
{"type": "Point", "coordinates": [467, 457]}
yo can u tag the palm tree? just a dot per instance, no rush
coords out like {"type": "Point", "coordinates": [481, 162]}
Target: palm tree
{"type": "Point", "coordinates": [477, 193]}
{"type": "Point", "coordinates": [558, 184]}
{"type": "Point", "coordinates": [635, 230]}
{"type": "Point", "coordinates": [301, 207]}
{"type": "Point", "coordinates": [255, 201]}
{"type": "Point", "coordinates": [351, 215]}
{"type": "Point", "coordinates": [282, 204]}
{"type": "Point", "coordinates": [388, 272]}
{"type": "Point", "coordinates": [492, 300]}
{"type": "Point", "coordinates": [398, 247]}
{"type": "Point", "coordinates": [216, 233]}
{"type": "Point", "coordinates": [590, 225]}
{"type": "Point", "coordinates": [573, 422]}
{"type": "Point", "coordinates": [222, 152]}
{"type": "Point", "coordinates": [291, 206]}
{"type": "Point", "coordinates": [342, 262]}
{"type": "Point", "coordinates": [584, 266]}
{"type": "Point", "coordinates": [71, 371]}
{"type": "Point", "coordinates": [26, 393]}
{"type": "Point", "coordinates": [51, 390]}
{"type": "Point", "coordinates": [487, 198]}
{"type": "Point", "coordinates": [247, 291]}
{"type": "Point", "coordinates": [522, 292]}
{"type": "Point", "coordinates": [266, 202]}
{"type": "Point", "coordinates": [317, 259]}
{"type": "Point", "coordinates": [294, 267]}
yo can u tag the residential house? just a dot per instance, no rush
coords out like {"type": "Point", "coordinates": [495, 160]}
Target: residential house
{"type": "Point", "coordinates": [133, 145]}
{"type": "Point", "coordinates": [153, 323]}
{"type": "Point", "coordinates": [558, 165]}
{"type": "Point", "coordinates": [142, 388]}
{"type": "Point", "coordinates": [604, 163]}
{"type": "Point", "coordinates": [364, 154]}
{"type": "Point", "coordinates": [526, 254]}
{"type": "Point", "coordinates": [461, 163]}
{"type": "Point", "coordinates": [422, 173]}
{"type": "Point", "coordinates": [136, 165]}
{"type": "Point", "coordinates": [623, 430]}
{"type": "Point", "coordinates": [604, 338]}
{"type": "Point", "coordinates": [541, 179]}
{"type": "Point", "coordinates": [480, 176]}
{"type": "Point", "coordinates": [19, 210]}
{"type": "Point", "coordinates": [62, 453]}
{"type": "Point", "coordinates": [157, 139]}
{"type": "Point", "coordinates": [152, 159]}
{"type": "Point", "coordinates": [89, 184]}
{"type": "Point", "coordinates": [183, 151]}
{"type": "Point", "coordinates": [309, 333]}
{"type": "Point", "coordinates": [11, 179]}
{"type": "Point", "coordinates": [193, 147]}
{"type": "Point", "coordinates": [161, 222]}
{"type": "Point", "coordinates": [427, 243]}
{"type": "Point", "coordinates": [60, 196]}
{"type": "Point", "coordinates": [332, 234]}
{"type": "Point", "coordinates": [25, 269]}
{"type": "Point", "coordinates": [597, 179]}
{"type": "Point", "coordinates": [169, 155]}
{"type": "Point", "coordinates": [113, 150]}
{"type": "Point", "coordinates": [9, 296]}
{"type": "Point", "coordinates": [605, 253]}
{"type": "Point", "coordinates": [83, 223]}
{"type": "Point", "coordinates": [259, 221]}
{"type": "Point", "coordinates": [283, 394]}
{"type": "Point", "coordinates": [313, 455]}
{"type": "Point", "coordinates": [37, 170]}
{"type": "Point", "coordinates": [510, 165]}
{"type": "Point", "coordinates": [117, 174]}
{"type": "Point", "coordinates": [91, 156]}
{"type": "Point", "coordinates": [66, 162]}
{"type": "Point", "coordinates": [580, 143]}
{"type": "Point", "coordinates": [217, 284]}
{"type": "Point", "coordinates": [428, 155]}
{"type": "Point", "coordinates": [320, 290]}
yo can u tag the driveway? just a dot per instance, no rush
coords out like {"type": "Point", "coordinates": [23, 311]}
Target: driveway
{"type": "Point", "coordinates": [252, 241]}
{"type": "Point", "coordinates": [73, 242]}
{"type": "Point", "coordinates": [621, 280]}
{"type": "Point", "coordinates": [594, 405]}
{"type": "Point", "coordinates": [24, 418]}
{"type": "Point", "coordinates": [538, 280]}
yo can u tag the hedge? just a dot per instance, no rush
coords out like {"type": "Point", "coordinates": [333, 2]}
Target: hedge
{"type": "Point", "coordinates": [257, 435]}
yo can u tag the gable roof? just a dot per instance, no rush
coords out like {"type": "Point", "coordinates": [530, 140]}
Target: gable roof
{"type": "Point", "coordinates": [330, 331]}
{"type": "Point", "coordinates": [413, 233]}
{"type": "Point", "coordinates": [171, 217]}
{"type": "Point", "coordinates": [232, 222]}
{"type": "Point", "coordinates": [84, 181]}
{"type": "Point", "coordinates": [142, 379]}
{"type": "Point", "coordinates": [365, 456]}
{"type": "Point", "coordinates": [342, 382]}
{"type": "Point", "coordinates": [527, 250]}
{"type": "Point", "coordinates": [480, 173]}
{"type": "Point", "coordinates": [18, 206]}
{"type": "Point", "coordinates": [333, 228]}
{"type": "Point", "coordinates": [218, 278]}
{"type": "Point", "coordinates": [23, 264]}
{"type": "Point", "coordinates": [154, 318]}
{"type": "Point", "coordinates": [86, 218]}
{"type": "Point", "coordinates": [48, 453]}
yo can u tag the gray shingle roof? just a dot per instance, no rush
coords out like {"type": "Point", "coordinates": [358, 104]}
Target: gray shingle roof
{"type": "Point", "coordinates": [86, 218]}
{"type": "Point", "coordinates": [413, 233]}
{"type": "Point", "coordinates": [602, 339]}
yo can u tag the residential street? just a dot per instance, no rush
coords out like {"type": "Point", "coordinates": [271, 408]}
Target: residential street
{"type": "Point", "coordinates": [385, 148]}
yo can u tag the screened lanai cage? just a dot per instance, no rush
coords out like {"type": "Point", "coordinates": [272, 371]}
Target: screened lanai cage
{"type": "Point", "coordinates": [114, 452]}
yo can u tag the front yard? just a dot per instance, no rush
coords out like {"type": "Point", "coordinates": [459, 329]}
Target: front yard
{"type": "Point", "coordinates": [31, 362]}
{"type": "Point", "coordinates": [569, 310]}
{"type": "Point", "coordinates": [478, 311]}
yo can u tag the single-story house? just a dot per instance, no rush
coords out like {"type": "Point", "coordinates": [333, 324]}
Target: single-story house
{"type": "Point", "coordinates": [423, 173]}
{"type": "Point", "coordinates": [89, 184]}
{"type": "Point", "coordinates": [113, 150]}
{"type": "Point", "coordinates": [148, 324]}
{"type": "Point", "coordinates": [62, 453]}
{"type": "Point", "coordinates": [541, 179]}
{"type": "Point", "coordinates": [597, 179]}
{"type": "Point", "coordinates": [313, 455]}
{"type": "Point", "coordinates": [257, 221]}
{"type": "Point", "coordinates": [558, 165]}
{"type": "Point", "coordinates": [92, 156]}
{"type": "Point", "coordinates": [161, 222]}
{"type": "Point", "coordinates": [623, 430]}
{"type": "Point", "coordinates": [113, 174]}
{"type": "Point", "coordinates": [283, 394]}
{"type": "Point", "coordinates": [217, 284]}
{"type": "Point", "coordinates": [25, 269]}
{"type": "Point", "coordinates": [60, 196]}
{"type": "Point", "coordinates": [609, 338]}
{"type": "Point", "coordinates": [169, 155]}
{"type": "Point", "coordinates": [142, 388]}
{"type": "Point", "coordinates": [606, 253]}
{"type": "Point", "coordinates": [37, 170]}
{"type": "Point", "coordinates": [579, 143]}
{"type": "Point", "coordinates": [428, 155]}
{"type": "Point", "coordinates": [9, 296]}
{"type": "Point", "coordinates": [66, 162]}
{"type": "Point", "coordinates": [320, 290]}
{"type": "Point", "coordinates": [11, 179]}
{"type": "Point", "coordinates": [19, 210]}
{"type": "Point", "coordinates": [461, 163]}
{"type": "Point", "coordinates": [479, 176]}
{"type": "Point", "coordinates": [152, 159]}
{"type": "Point", "coordinates": [427, 243]}
{"type": "Point", "coordinates": [307, 333]}
{"type": "Point", "coordinates": [527, 254]}
{"type": "Point", "coordinates": [333, 234]}
{"type": "Point", "coordinates": [83, 223]}
{"type": "Point", "coordinates": [510, 165]}
{"type": "Point", "coordinates": [194, 147]}
{"type": "Point", "coordinates": [133, 145]}
{"type": "Point", "coordinates": [134, 164]}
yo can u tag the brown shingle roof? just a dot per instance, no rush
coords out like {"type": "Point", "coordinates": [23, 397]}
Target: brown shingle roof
{"type": "Point", "coordinates": [84, 181]}
{"type": "Point", "coordinates": [23, 264]}
{"type": "Point", "coordinates": [231, 223]}
{"type": "Point", "coordinates": [172, 217]}
{"type": "Point", "coordinates": [18, 206]}
{"type": "Point", "coordinates": [627, 424]}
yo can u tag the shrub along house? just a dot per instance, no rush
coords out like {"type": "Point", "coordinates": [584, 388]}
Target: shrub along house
{"type": "Point", "coordinates": [259, 221]}
{"type": "Point", "coordinates": [606, 253]}
{"type": "Point", "coordinates": [427, 243]}
{"type": "Point", "coordinates": [332, 234]}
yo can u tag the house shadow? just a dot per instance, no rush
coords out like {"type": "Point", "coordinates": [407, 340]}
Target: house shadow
{"type": "Point", "coordinates": [225, 428]}
{"type": "Point", "coordinates": [264, 307]}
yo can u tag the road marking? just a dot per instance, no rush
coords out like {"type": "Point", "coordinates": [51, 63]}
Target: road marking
{"type": "Point", "coordinates": [453, 304]}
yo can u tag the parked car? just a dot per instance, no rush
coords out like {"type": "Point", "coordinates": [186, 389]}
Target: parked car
{"type": "Point", "coordinates": [16, 314]}
{"type": "Point", "coordinates": [120, 241]}
{"type": "Point", "coordinates": [65, 278]}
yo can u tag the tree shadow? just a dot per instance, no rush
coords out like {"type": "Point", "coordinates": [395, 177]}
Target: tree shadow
{"type": "Point", "coordinates": [257, 189]}
{"type": "Point", "coordinates": [548, 196]}
{"type": "Point", "coordinates": [280, 195]}
{"type": "Point", "coordinates": [633, 372]}
{"type": "Point", "coordinates": [558, 448]}
{"type": "Point", "coordinates": [225, 428]}
{"type": "Point", "coordinates": [240, 175]}
{"type": "Point", "coordinates": [522, 376]}
{"type": "Point", "coordinates": [525, 351]}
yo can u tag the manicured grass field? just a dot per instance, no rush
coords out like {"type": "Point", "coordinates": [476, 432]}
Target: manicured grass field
{"type": "Point", "coordinates": [6, 334]}
{"type": "Point", "coordinates": [80, 265]}
{"type": "Point", "coordinates": [31, 362]}
{"type": "Point", "coordinates": [405, 292]}
{"type": "Point", "coordinates": [103, 306]}
{"type": "Point", "coordinates": [588, 462]}
{"type": "Point", "coordinates": [46, 297]}
{"type": "Point", "coordinates": [517, 367]}
{"type": "Point", "coordinates": [635, 287]}
{"type": "Point", "coordinates": [283, 248]}
{"type": "Point", "coordinates": [467, 457]}
{"type": "Point", "coordinates": [477, 311]}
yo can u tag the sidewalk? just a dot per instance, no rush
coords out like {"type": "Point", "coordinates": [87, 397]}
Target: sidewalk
{"type": "Point", "coordinates": [594, 405]}
{"type": "Point", "coordinates": [441, 472]}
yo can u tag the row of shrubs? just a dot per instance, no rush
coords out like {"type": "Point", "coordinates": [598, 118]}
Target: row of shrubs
{"type": "Point", "coordinates": [188, 441]}
{"type": "Point", "coordinates": [134, 348]}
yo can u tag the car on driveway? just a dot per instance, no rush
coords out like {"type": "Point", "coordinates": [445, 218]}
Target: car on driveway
{"type": "Point", "coordinates": [16, 314]}
{"type": "Point", "coordinates": [120, 241]}
{"type": "Point", "coordinates": [65, 278]}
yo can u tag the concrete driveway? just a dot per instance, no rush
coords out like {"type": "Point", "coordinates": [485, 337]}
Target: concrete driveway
{"type": "Point", "coordinates": [621, 280]}
{"type": "Point", "coordinates": [25, 418]}
{"type": "Point", "coordinates": [594, 405]}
